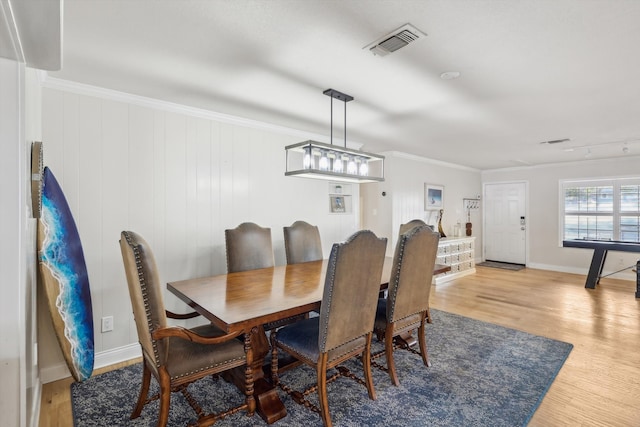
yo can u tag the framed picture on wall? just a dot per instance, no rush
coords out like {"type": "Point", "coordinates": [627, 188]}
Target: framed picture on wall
{"type": "Point", "coordinates": [337, 204]}
{"type": "Point", "coordinates": [433, 197]}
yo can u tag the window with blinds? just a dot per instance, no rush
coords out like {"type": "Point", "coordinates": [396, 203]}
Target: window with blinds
{"type": "Point", "coordinates": [601, 209]}
{"type": "Point", "coordinates": [630, 212]}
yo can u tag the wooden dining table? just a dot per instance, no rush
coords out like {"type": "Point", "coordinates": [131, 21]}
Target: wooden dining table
{"type": "Point", "coordinates": [247, 300]}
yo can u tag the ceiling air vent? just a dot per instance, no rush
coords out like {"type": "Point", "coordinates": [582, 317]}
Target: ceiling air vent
{"type": "Point", "coordinates": [395, 40]}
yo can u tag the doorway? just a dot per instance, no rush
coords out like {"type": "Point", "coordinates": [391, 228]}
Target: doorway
{"type": "Point", "coordinates": [505, 222]}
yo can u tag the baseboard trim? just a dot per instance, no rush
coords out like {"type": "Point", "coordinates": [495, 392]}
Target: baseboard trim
{"type": "Point", "coordinates": [102, 359]}
{"type": "Point", "coordinates": [623, 275]}
{"type": "Point", "coordinates": [443, 278]}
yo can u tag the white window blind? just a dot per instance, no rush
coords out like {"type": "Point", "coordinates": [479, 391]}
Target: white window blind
{"type": "Point", "coordinates": [601, 209]}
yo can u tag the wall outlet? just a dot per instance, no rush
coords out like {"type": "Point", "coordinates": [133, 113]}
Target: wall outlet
{"type": "Point", "coordinates": [107, 324]}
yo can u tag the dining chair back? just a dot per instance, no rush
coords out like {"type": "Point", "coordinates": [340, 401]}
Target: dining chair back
{"type": "Point", "coordinates": [248, 247]}
{"type": "Point", "coordinates": [408, 226]}
{"type": "Point", "coordinates": [146, 295]}
{"type": "Point", "coordinates": [345, 324]}
{"type": "Point", "coordinates": [411, 224]}
{"type": "Point", "coordinates": [302, 243]}
{"type": "Point", "coordinates": [174, 355]}
{"type": "Point", "coordinates": [353, 275]}
{"type": "Point", "coordinates": [407, 303]}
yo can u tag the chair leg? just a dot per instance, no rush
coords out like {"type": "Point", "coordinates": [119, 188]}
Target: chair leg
{"type": "Point", "coordinates": [429, 319]}
{"type": "Point", "coordinates": [321, 369]}
{"type": "Point", "coordinates": [388, 352]}
{"type": "Point", "coordinates": [165, 397]}
{"type": "Point", "coordinates": [144, 391]}
{"type": "Point", "coordinates": [422, 341]}
{"type": "Point", "coordinates": [366, 363]}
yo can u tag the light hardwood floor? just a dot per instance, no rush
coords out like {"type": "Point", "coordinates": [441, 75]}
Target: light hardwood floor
{"type": "Point", "coordinates": [599, 385]}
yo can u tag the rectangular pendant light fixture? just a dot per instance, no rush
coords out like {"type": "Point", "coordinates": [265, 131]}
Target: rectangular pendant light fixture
{"type": "Point", "coordinates": [312, 159]}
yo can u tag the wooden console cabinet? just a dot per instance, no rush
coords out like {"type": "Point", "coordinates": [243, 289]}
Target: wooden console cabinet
{"type": "Point", "coordinates": [459, 253]}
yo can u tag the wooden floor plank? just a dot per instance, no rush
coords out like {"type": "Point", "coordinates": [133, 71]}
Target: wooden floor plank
{"type": "Point", "coordinates": [599, 385]}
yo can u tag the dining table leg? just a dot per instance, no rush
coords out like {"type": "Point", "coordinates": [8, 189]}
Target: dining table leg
{"type": "Point", "coordinates": [268, 403]}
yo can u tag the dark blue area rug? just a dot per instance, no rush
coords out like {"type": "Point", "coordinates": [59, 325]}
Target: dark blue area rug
{"type": "Point", "coordinates": [481, 375]}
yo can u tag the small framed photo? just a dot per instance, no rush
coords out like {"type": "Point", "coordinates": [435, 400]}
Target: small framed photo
{"type": "Point", "coordinates": [433, 197]}
{"type": "Point", "coordinates": [337, 204]}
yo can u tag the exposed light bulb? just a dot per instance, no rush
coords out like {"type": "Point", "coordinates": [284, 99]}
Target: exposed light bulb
{"type": "Point", "coordinates": [351, 166]}
{"type": "Point", "coordinates": [323, 165]}
{"type": "Point", "coordinates": [306, 161]}
{"type": "Point", "coordinates": [338, 164]}
{"type": "Point", "coordinates": [364, 168]}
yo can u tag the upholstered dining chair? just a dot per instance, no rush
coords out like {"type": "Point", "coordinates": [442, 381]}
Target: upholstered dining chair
{"type": "Point", "coordinates": [411, 224]}
{"type": "Point", "coordinates": [248, 247]}
{"type": "Point", "coordinates": [406, 227]}
{"type": "Point", "coordinates": [174, 355]}
{"type": "Point", "coordinates": [341, 331]}
{"type": "Point", "coordinates": [406, 305]}
{"type": "Point", "coordinates": [302, 243]}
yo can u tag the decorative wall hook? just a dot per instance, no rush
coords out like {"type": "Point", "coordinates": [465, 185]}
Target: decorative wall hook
{"type": "Point", "coordinates": [471, 204]}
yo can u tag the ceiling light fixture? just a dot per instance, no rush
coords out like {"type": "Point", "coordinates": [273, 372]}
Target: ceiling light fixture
{"type": "Point", "coordinates": [450, 75]}
{"type": "Point", "coordinates": [312, 159]}
{"type": "Point", "coordinates": [625, 143]}
{"type": "Point", "coordinates": [556, 141]}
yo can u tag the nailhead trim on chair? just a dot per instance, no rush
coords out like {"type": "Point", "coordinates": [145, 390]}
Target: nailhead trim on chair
{"type": "Point", "coordinates": [332, 274]}
{"type": "Point", "coordinates": [145, 294]}
{"type": "Point", "coordinates": [145, 297]}
{"type": "Point", "coordinates": [396, 277]}
{"type": "Point", "coordinates": [292, 350]}
{"type": "Point", "coordinates": [226, 362]}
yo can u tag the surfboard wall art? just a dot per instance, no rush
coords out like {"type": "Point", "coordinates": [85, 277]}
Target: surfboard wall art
{"type": "Point", "coordinates": [64, 275]}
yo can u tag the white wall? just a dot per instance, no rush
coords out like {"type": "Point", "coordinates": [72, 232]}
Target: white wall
{"type": "Point", "coordinates": [179, 178]}
{"type": "Point", "coordinates": [11, 228]}
{"type": "Point", "coordinates": [545, 245]}
{"type": "Point", "coordinates": [19, 399]}
{"type": "Point", "coordinates": [406, 176]}
{"type": "Point", "coordinates": [33, 132]}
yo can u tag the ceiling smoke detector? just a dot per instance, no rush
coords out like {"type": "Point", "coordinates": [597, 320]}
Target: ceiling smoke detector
{"type": "Point", "coordinates": [395, 40]}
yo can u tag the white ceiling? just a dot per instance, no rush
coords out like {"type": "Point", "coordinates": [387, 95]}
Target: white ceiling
{"type": "Point", "coordinates": [531, 70]}
{"type": "Point", "coordinates": [31, 32]}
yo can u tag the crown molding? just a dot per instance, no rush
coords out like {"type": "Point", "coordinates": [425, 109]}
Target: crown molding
{"type": "Point", "coordinates": [416, 158]}
{"type": "Point", "coordinates": [585, 163]}
{"type": "Point", "coordinates": [157, 104]}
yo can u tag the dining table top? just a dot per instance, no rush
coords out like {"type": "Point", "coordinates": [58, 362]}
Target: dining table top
{"type": "Point", "coordinates": [241, 300]}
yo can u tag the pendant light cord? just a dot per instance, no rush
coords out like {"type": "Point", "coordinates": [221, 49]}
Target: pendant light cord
{"type": "Point", "coordinates": [331, 120]}
{"type": "Point", "coordinates": [345, 124]}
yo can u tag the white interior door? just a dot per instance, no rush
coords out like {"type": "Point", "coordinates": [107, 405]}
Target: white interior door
{"type": "Point", "coordinates": [505, 235]}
